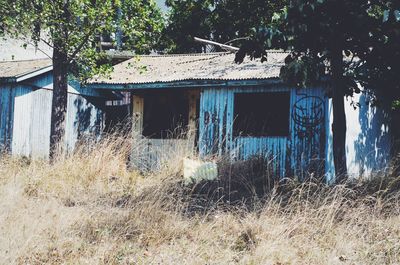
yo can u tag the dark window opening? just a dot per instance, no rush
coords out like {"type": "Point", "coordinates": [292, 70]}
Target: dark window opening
{"type": "Point", "coordinates": [165, 115]}
{"type": "Point", "coordinates": [118, 114]}
{"type": "Point", "coordinates": [117, 118]}
{"type": "Point", "coordinates": [261, 114]}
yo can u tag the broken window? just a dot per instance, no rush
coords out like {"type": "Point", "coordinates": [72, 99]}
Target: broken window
{"type": "Point", "coordinates": [165, 114]}
{"type": "Point", "coordinates": [261, 114]}
{"type": "Point", "coordinates": [118, 112]}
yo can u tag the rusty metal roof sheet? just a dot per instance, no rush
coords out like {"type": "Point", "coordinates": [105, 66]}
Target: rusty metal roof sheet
{"type": "Point", "coordinates": [12, 70]}
{"type": "Point", "coordinates": [211, 66]}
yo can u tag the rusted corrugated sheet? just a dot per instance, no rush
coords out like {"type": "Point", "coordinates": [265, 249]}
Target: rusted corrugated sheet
{"type": "Point", "coordinates": [211, 66]}
{"type": "Point", "coordinates": [302, 150]}
{"type": "Point", "coordinates": [15, 69]}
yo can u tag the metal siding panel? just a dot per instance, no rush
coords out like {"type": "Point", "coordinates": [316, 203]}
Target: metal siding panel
{"type": "Point", "coordinates": [368, 136]}
{"type": "Point", "coordinates": [43, 80]}
{"type": "Point", "coordinates": [222, 121]}
{"type": "Point", "coordinates": [220, 103]}
{"type": "Point", "coordinates": [40, 123]}
{"type": "Point", "coordinates": [71, 132]}
{"type": "Point", "coordinates": [274, 147]}
{"type": "Point", "coordinates": [207, 113]}
{"type": "Point", "coordinates": [207, 133]}
{"type": "Point", "coordinates": [202, 127]}
{"type": "Point", "coordinates": [4, 101]}
{"type": "Point", "coordinates": [215, 104]}
{"type": "Point", "coordinates": [25, 117]}
{"type": "Point", "coordinates": [6, 113]}
{"type": "Point", "coordinates": [329, 164]}
{"type": "Point", "coordinates": [229, 121]}
{"type": "Point", "coordinates": [308, 131]}
{"type": "Point", "coordinates": [84, 119]}
{"type": "Point", "coordinates": [22, 122]}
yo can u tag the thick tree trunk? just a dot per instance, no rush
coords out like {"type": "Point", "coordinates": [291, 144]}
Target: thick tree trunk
{"type": "Point", "coordinates": [339, 117]}
{"type": "Point", "coordinates": [59, 102]}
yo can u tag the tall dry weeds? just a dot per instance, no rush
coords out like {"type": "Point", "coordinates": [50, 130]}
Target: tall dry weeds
{"type": "Point", "coordinates": [88, 208]}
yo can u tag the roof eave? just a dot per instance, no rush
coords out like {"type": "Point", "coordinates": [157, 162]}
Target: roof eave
{"type": "Point", "coordinates": [32, 74]}
{"type": "Point", "coordinates": [26, 76]}
{"type": "Point", "coordinates": [203, 83]}
{"type": "Point", "coordinates": [8, 80]}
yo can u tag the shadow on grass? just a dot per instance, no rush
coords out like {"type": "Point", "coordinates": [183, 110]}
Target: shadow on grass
{"type": "Point", "coordinates": [249, 186]}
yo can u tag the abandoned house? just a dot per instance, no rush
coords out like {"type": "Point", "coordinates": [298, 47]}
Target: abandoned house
{"type": "Point", "coordinates": [25, 109]}
{"type": "Point", "coordinates": [201, 102]}
{"type": "Point", "coordinates": [219, 108]}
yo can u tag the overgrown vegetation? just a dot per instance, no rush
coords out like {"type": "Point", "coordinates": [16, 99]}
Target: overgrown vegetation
{"type": "Point", "coordinates": [88, 208]}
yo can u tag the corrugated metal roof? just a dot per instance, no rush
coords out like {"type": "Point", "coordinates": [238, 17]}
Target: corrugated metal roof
{"type": "Point", "coordinates": [15, 69]}
{"type": "Point", "coordinates": [211, 66]}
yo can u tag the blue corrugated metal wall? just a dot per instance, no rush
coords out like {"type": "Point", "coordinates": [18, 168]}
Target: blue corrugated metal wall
{"type": "Point", "coordinates": [7, 94]}
{"type": "Point", "coordinates": [301, 152]}
{"type": "Point", "coordinates": [26, 112]}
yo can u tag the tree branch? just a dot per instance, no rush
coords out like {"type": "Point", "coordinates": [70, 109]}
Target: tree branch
{"type": "Point", "coordinates": [80, 46]}
{"type": "Point", "coordinates": [85, 39]}
{"type": "Point", "coordinates": [47, 43]}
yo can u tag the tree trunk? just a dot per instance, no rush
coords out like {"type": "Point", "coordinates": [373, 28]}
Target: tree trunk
{"type": "Point", "coordinates": [59, 102]}
{"type": "Point", "coordinates": [339, 117]}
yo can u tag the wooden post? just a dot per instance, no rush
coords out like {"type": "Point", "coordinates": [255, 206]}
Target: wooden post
{"type": "Point", "coordinates": [137, 130]}
{"type": "Point", "coordinates": [137, 115]}
{"type": "Point", "coordinates": [193, 95]}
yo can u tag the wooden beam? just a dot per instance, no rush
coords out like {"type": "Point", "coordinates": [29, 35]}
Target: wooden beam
{"type": "Point", "coordinates": [187, 84]}
{"type": "Point", "coordinates": [136, 159]}
{"type": "Point", "coordinates": [193, 97]}
{"type": "Point", "coordinates": [222, 46]}
{"type": "Point", "coordinates": [137, 115]}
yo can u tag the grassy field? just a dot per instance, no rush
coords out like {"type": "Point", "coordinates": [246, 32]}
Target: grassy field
{"type": "Point", "coordinates": [88, 208]}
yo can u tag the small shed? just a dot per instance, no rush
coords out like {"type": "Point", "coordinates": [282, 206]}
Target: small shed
{"type": "Point", "coordinates": [227, 109]}
{"type": "Point", "coordinates": [25, 109]}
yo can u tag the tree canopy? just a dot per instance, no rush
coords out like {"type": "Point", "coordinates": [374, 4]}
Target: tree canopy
{"type": "Point", "coordinates": [354, 42]}
{"type": "Point", "coordinates": [218, 20]}
{"type": "Point", "coordinates": [367, 32]}
{"type": "Point", "coordinates": [73, 29]}
{"type": "Point", "coordinates": [76, 25]}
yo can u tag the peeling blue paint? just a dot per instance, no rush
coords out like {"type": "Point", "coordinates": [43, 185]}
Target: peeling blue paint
{"type": "Point", "coordinates": [300, 152]}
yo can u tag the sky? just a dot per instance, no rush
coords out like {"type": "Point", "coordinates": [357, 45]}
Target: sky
{"type": "Point", "coordinates": [161, 4]}
{"type": "Point", "coordinates": [12, 49]}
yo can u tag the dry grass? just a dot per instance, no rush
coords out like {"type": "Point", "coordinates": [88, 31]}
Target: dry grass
{"type": "Point", "coordinates": [87, 208]}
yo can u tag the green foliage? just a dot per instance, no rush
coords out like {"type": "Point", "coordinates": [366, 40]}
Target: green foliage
{"type": "Point", "coordinates": [382, 61]}
{"type": "Point", "coordinates": [73, 27]}
{"type": "Point", "coordinates": [302, 71]}
{"type": "Point", "coordinates": [218, 20]}
{"type": "Point", "coordinates": [236, 19]}
{"type": "Point", "coordinates": [142, 23]}
{"type": "Point", "coordinates": [186, 20]}
{"type": "Point", "coordinates": [366, 32]}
